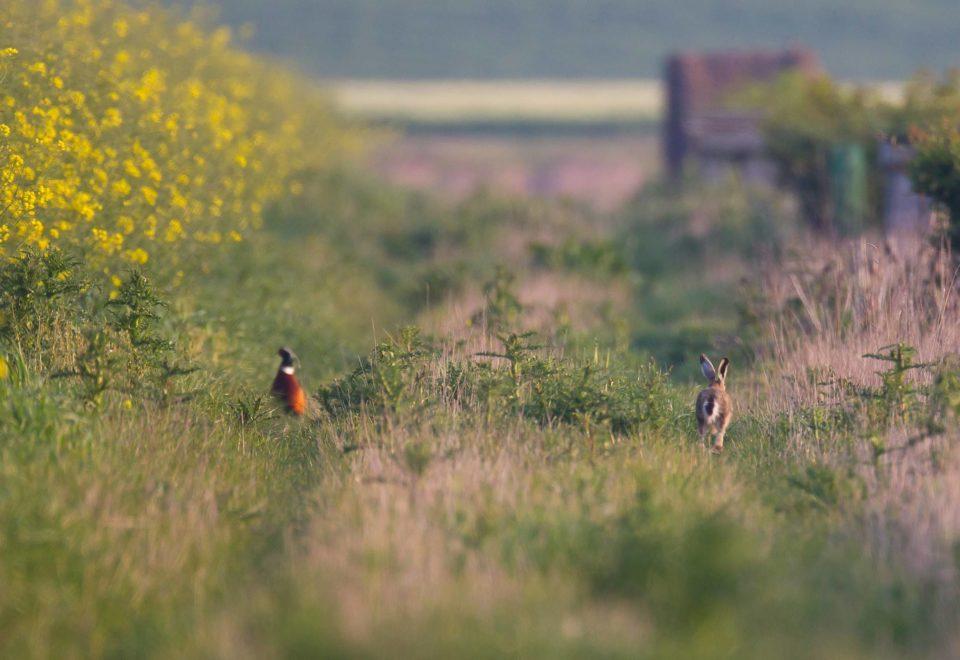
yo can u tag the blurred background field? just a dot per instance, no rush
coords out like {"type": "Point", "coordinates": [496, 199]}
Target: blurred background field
{"type": "Point", "coordinates": [593, 141]}
{"type": "Point", "coordinates": [464, 102]}
{"type": "Point", "coordinates": [536, 39]}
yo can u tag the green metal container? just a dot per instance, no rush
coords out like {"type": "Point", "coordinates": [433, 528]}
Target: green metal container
{"type": "Point", "coordinates": [847, 165]}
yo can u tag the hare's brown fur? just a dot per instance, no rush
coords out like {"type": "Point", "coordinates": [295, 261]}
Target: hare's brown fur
{"type": "Point", "coordinates": [714, 407]}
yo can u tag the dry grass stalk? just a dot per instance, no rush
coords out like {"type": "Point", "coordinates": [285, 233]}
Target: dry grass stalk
{"type": "Point", "coordinates": [831, 304]}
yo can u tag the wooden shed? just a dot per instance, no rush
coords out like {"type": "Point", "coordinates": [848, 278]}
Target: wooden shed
{"type": "Point", "coordinates": [904, 211]}
{"type": "Point", "coordinates": [697, 125]}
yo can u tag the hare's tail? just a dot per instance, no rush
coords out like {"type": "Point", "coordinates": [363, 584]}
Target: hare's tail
{"type": "Point", "coordinates": [709, 409]}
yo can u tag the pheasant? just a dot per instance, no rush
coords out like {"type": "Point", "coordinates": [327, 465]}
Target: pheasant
{"type": "Point", "coordinates": [286, 387]}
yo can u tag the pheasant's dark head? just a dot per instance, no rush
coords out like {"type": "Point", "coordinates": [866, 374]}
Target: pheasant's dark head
{"type": "Point", "coordinates": [287, 357]}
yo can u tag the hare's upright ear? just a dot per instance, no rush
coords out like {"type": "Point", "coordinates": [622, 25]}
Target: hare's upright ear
{"type": "Point", "coordinates": [722, 369]}
{"type": "Point", "coordinates": [706, 366]}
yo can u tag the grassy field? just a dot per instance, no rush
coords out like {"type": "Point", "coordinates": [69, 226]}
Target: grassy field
{"type": "Point", "coordinates": [500, 456]}
{"type": "Point", "coordinates": [422, 39]}
{"type": "Point", "coordinates": [531, 101]}
{"type": "Point", "coordinates": [473, 490]}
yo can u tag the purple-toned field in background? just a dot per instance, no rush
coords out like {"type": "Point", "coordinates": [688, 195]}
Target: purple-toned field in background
{"type": "Point", "coordinates": [601, 171]}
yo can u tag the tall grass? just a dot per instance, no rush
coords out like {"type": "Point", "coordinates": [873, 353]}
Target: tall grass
{"type": "Point", "coordinates": [825, 307]}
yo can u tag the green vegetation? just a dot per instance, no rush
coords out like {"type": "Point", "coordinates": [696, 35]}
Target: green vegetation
{"type": "Point", "coordinates": [865, 39]}
{"type": "Point", "coordinates": [500, 456]}
{"type": "Point", "coordinates": [484, 491]}
{"type": "Point", "coordinates": [935, 171]}
{"type": "Point", "coordinates": [824, 138]}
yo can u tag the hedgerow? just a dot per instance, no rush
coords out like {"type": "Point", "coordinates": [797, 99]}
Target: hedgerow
{"type": "Point", "coordinates": [410, 375]}
{"type": "Point", "coordinates": [134, 135]}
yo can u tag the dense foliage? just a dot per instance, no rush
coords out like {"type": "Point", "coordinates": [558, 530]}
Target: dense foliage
{"type": "Point", "coordinates": [936, 171]}
{"type": "Point", "coordinates": [124, 133]}
{"type": "Point", "coordinates": [402, 376]}
{"type": "Point", "coordinates": [815, 128]}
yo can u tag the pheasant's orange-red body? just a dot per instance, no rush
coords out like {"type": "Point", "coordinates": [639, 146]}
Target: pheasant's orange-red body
{"type": "Point", "coordinates": [286, 387]}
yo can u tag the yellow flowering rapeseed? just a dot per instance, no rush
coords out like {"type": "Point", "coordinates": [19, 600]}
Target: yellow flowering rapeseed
{"type": "Point", "coordinates": [133, 134]}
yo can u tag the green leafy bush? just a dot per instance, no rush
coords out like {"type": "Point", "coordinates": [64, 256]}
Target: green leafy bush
{"type": "Point", "coordinates": [407, 374]}
{"type": "Point", "coordinates": [945, 392]}
{"type": "Point", "coordinates": [394, 378]}
{"type": "Point", "coordinates": [935, 171]}
{"type": "Point", "coordinates": [62, 324]}
{"type": "Point", "coordinates": [38, 290]}
{"type": "Point", "coordinates": [600, 259]}
{"type": "Point", "coordinates": [805, 119]}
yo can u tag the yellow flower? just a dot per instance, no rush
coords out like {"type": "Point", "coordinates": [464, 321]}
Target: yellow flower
{"type": "Point", "coordinates": [111, 118]}
{"type": "Point", "coordinates": [152, 83]}
{"type": "Point", "coordinates": [121, 188]}
{"type": "Point", "coordinates": [149, 194]}
{"type": "Point", "coordinates": [138, 140]}
{"type": "Point", "coordinates": [177, 199]}
{"type": "Point", "coordinates": [105, 241]}
{"type": "Point", "coordinates": [151, 224]}
{"type": "Point", "coordinates": [174, 231]}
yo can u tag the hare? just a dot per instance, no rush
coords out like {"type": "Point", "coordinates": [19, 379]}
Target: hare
{"type": "Point", "coordinates": [714, 407]}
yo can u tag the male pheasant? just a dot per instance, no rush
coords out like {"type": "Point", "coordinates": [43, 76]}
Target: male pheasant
{"type": "Point", "coordinates": [286, 387]}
